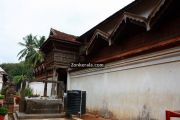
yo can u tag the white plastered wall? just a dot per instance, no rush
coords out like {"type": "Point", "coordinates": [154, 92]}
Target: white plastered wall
{"type": "Point", "coordinates": [38, 88]}
{"type": "Point", "coordinates": [1, 81]}
{"type": "Point", "coordinates": [142, 87]}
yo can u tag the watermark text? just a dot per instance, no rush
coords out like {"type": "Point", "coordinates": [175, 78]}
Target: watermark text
{"type": "Point", "coordinates": [86, 65]}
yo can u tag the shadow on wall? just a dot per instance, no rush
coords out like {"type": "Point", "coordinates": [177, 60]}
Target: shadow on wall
{"type": "Point", "coordinates": [105, 112]}
{"type": "Point", "coordinates": [145, 114]}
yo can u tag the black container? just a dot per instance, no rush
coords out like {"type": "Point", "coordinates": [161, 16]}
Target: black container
{"type": "Point", "coordinates": [75, 102]}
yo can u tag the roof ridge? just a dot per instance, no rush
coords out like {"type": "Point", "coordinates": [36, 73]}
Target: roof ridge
{"type": "Point", "coordinates": [54, 31]}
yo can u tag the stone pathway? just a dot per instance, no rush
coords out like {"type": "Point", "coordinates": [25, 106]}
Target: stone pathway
{"type": "Point", "coordinates": [84, 117]}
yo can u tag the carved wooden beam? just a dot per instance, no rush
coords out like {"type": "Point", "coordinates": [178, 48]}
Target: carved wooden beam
{"type": "Point", "coordinates": [164, 43]}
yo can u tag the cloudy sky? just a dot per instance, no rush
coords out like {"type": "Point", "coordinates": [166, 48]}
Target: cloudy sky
{"type": "Point", "coordinates": [19, 18]}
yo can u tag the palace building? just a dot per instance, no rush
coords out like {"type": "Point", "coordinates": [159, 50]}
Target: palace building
{"type": "Point", "coordinates": [140, 48]}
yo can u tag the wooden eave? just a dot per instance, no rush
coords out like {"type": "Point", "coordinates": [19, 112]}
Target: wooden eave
{"type": "Point", "coordinates": [50, 39]}
{"type": "Point", "coordinates": [128, 15]}
{"type": "Point", "coordinates": [121, 13]}
{"type": "Point", "coordinates": [170, 42]}
{"type": "Point", "coordinates": [145, 20]}
{"type": "Point", "coordinates": [56, 36]}
{"type": "Point", "coordinates": [98, 33]}
{"type": "Point", "coordinates": [62, 36]}
{"type": "Point", "coordinates": [98, 26]}
{"type": "Point", "coordinates": [123, 18]}
{"type": "Point", "coordinates": [65, 41]}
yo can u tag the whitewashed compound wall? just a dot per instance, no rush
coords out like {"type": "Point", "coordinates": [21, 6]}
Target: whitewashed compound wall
{"type": "Point", "coordinates": [138, 88]}
{"type": "Point", "coordinates": [38, 88]}
{"type": "Point", "coordinates": [1, 81]}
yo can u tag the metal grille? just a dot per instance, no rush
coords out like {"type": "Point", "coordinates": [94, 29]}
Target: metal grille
{"type": "Point", "coordinates": [76, 102]}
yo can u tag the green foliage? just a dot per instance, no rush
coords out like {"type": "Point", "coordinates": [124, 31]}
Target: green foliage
{"type": "Point", "coordinates": [18, 93]}
{"type": "Point", "coordinates": [15, 70]}
{"type": "Point", "coordinates": [29, 44]}
{"type": "Point", "coordinates": [19, 78]}
{"type": "Point", "coordinates": [28, 92]}
{"type": "Point", "coordinates": [3, 110]}
{"type": "Point", "coordinates": [31, 52]}
{"type": "Point", "coordinates": [3, 91]}
{"type": "Point", "coordinates": [1, 96]}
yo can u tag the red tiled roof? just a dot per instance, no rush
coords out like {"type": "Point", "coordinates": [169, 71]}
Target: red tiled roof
{"type": "Point", "coordinates": [62, 36]}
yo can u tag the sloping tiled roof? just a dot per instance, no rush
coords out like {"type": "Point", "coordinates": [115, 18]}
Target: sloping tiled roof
{"type": "Point", "coordinates": [142, 11]}
{"type": "Point", "coordinates": [62, 36]}
{"type": "Point", "coordinates": [97, 33]}
{"type": "Point", "coordinates": [2, 71]}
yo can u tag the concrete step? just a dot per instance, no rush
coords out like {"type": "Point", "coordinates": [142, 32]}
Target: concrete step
{"type": "Point", "coordinates": [22, 116]}
{"type": "Point", "coordinates": [14, 116]}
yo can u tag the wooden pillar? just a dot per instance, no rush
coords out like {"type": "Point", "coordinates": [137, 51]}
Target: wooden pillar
{"type": "Point", "coordinates": [45, 89]}
{"type": "Point", "coordinates": [53, 89]}
{"type": "Point", "coordinates": [45, 84]}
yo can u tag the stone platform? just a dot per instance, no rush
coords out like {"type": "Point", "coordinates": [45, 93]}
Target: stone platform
{"type": "Point", "coordinates": [24, 116]}
{"type": "Point", "coordinates": [42, 106]}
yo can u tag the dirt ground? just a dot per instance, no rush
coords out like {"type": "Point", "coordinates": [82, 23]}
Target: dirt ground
{"type": "Point", "coordinates": [92, 117]}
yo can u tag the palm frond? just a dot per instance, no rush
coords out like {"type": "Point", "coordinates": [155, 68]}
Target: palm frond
{"type": "Point", "coordinates": [31, 52]}
{"type": "Point", "coordinates": [22, 44]}
{"type": "Point", "coordinates": [22, 54]}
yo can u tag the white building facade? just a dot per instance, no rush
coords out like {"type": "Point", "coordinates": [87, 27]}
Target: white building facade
{"type": "Point", "coordinates": [1, 77]}
{"type": "Point", "coordinates": [2, 73]}
{"type": "Point", "coordinates": [142, 87]}
{"type": "Point", "coordinates": [1, 81]}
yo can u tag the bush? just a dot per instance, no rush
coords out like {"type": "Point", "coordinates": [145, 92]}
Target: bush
{"type": "Point", "coordinates": [3, 111]}
{"type": "Point", "coordinates": [18, 93]}
{"type": "Point", "coordinates": [18, 78]}
{"type": "Point", "coordinates": [3, 91]}
{"type": "Point", "coordinates": [35, 95]}
{"type": "Point", "coordinates": [28, 92]}
{"type": "Point", "coordinates": [1, 96]}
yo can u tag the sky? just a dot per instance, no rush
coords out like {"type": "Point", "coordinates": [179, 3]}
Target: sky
{"type": "Point", "coordinates": [19, 18]}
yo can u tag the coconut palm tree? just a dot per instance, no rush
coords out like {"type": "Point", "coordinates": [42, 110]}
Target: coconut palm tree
{"type": "Point", "coordinates": [29, 45]}
{"type": "Point", "coordinates": [38, 55]}
{"type": "Point", "coordinates": [39, 43]}
{"type": "Point", "coordinates": [31, 52]}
